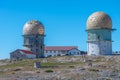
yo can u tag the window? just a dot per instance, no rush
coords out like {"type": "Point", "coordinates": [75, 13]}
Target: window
{"type": "Point", "coordinates": [54, 51]}
{"type": "Point", "coordinates": [88, 36]}
{"type": "Point", "coordinates": [36, 50]}
{"type": "Point", "coordinates": [74, 52]}
{"type": "Point", "coordinates": [30, 40]}
{"type": "Point", "coordinates": [98, 37]}
{"type": "Point", "coordinates": [50, 51]}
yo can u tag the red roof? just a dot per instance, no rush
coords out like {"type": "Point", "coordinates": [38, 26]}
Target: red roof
{"type": "Point", "coordinates": [27, 52]}
{"type": "Point", "coordinates": [60, 47]}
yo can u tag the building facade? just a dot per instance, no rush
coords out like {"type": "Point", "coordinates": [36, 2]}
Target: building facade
{"type": "Point", "coordinates": [61, 50]}
{"type": "Point", "coordinates": [49, 51]}
{"type": "Point", "coordinates": [99, 28]}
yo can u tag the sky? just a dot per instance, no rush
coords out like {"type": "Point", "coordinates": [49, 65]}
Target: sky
{"type": "Point", "coordinates": [64, 21]}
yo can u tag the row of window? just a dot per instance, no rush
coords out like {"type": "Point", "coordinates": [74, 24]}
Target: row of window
{"type": "Point", "coordinates": [52, 51]}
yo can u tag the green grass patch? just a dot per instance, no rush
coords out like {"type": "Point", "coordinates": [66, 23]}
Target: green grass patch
{"type": "Point", "coordinates": [58, 63]}
{"type": "Point", "coordinates": [94, 70]}
{"type": "Point", "coordinates": [30, 62]}
{"type": "Point", "coordinates": [49, 70]}
{"type": "Point", "coordinates": [17, 64]}
{"type": "Point", "coordinates": [71, 66]}
{"type": "Point", "coordinates": [107, 79]}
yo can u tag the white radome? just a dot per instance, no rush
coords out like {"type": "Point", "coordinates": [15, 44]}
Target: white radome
{"type": "Point", "coordinates": [33, 27]}
{"type": "Point", "coordinates": [99, 20]}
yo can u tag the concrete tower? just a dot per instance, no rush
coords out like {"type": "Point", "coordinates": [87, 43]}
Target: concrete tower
{"type": "Point", "coordinates": [99, 28]}
{"type": "Point", "coordinates": [33, 33]}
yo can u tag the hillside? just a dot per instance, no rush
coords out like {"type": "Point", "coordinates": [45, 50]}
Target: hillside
{"type": "Point", "coordinates": [63, 68]}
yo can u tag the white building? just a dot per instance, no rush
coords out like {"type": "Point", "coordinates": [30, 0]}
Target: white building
{"type": "Point", "coordinates": [61, 50]}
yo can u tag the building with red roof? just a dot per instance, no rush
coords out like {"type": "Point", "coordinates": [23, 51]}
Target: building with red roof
{"type": "Point", "coordinates": [49, 51]}
{"type": "Point", "coordinates": [22, 54]}
{"type": "Point", "coordinates": [61, 50]}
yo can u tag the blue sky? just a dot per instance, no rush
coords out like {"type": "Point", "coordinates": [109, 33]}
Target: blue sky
{"type": "Point", "coordinates": [64, 21]}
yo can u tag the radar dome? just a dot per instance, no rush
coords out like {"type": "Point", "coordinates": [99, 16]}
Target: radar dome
{"type": "Point", "coordinates": [99, 20]}
{"type": "Point", "coordinates": [33, 27]}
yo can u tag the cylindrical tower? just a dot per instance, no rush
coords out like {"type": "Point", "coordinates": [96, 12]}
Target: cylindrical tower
{"type": "Point", "coordinates": [33, 33]}
{"type": "Point", "coordinates": [99, 28]}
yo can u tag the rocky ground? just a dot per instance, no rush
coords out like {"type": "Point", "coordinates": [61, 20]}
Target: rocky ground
{"type": "Point", "coordinates": [63, 68]}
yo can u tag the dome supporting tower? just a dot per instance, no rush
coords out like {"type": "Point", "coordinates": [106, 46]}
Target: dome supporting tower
{"type": "Point", "coordinates": [99, 28]}
{"type": "Point", "coordinates": [33, 33]}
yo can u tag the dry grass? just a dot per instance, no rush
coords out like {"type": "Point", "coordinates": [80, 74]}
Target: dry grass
{"type": "Point", "coordinates": [66, 67]}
